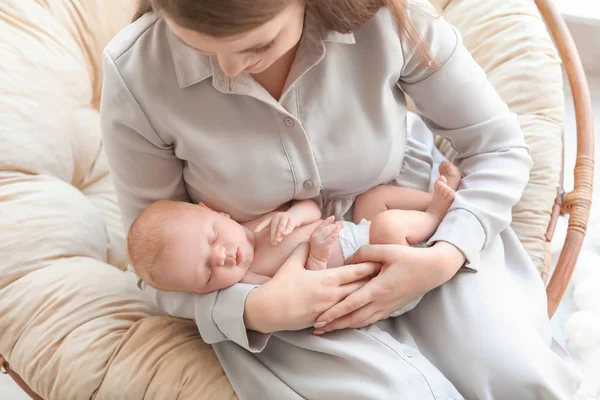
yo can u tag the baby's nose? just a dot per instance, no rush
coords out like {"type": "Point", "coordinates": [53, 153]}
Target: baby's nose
{"type": "Point", "coordinates": [219, 255]}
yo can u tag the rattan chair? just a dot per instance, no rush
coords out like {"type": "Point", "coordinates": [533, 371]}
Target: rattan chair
{"type": "Point", "coordinates": [576, 203]}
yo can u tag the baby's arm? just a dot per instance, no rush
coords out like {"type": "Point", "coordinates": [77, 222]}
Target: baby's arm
{"type": "Point", "coordinates": [322, 242]}
{"type": "Point", "coordinates": [301, 213]}
{"type": "Point", "coordinates": [253, 278]}
{"type": "Point", "coordinates": [305, 211]}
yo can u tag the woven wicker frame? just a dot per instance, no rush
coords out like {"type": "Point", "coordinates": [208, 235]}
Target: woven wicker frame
{"type": "Point", "coordinates": [576, 203]}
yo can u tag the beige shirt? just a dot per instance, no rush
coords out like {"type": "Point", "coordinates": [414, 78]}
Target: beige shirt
{"type": "Point", "coordinates": [175, 127]}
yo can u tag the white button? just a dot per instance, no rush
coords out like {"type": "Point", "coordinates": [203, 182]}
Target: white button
{"type": "Point", "coordinates": [289, 122]}
{"type": "Point", "coordinates": [408, 353]}
{"type": "Point", "coordinates": [308, 184]}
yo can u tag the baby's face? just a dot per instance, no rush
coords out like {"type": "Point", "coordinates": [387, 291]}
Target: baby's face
{"type": "Point", "coordinates": [207, 251]}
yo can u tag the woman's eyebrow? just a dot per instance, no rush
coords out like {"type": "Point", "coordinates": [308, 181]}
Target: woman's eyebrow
{"type": "Point", "coordinates": [255, 47]}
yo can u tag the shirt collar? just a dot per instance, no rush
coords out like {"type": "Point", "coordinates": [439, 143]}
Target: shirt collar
{"type": "Point", "coordinates": [191, 66]}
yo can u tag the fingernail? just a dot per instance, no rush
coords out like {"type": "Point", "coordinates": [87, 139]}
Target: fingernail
{"type": "Point", "coordinates": [318, 332]}
{"type": "Point", "coordinates": [319, 325]}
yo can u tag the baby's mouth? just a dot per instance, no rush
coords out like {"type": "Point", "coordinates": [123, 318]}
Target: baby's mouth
{"type": "Point", "coordinates": [239, 257]}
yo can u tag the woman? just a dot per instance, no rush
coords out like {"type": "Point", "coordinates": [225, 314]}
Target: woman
{"type": "Point", "coordinates": [247, 107]}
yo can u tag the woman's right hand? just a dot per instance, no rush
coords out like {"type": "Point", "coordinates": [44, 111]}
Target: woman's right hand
{"type": "Point", "coordinates": [295, 297]}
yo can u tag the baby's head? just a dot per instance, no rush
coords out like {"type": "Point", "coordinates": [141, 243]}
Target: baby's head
{"type": "Point", "coordinates": [183, 247]}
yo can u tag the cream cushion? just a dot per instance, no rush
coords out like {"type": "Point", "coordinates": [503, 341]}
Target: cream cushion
{"type": "Point", "coordinates": [73, 324]}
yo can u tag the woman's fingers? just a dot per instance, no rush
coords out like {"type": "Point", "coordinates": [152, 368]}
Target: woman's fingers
{"type": "Point", "coordinates": [376, 316]}
{"type": "Point", "coordinates": [353, 272]}
{"type": "Point", "coordinates": [346, 290]}
{"type": "Point", "coordinates": [341, 312]}
{"type": "Point", "coordinates": [349, 320]}
{"type": "Point", "coordinates": [383, 253]}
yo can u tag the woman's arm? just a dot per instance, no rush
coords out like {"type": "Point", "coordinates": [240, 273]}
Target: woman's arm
{"type": "Point", "coordinates": [459, 103]}
{"type": "Point", "coordinates": [145, 169]}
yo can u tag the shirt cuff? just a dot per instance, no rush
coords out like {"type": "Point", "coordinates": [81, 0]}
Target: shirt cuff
{"type": "Point", "coordinates": [219, 315]}
{"type": "Point", "coordinates": [462, 229]}
{"type": "Point", "coordinates": [228, 317]}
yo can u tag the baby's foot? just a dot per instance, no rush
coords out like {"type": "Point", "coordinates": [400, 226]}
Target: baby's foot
{"type": "Point", "coordinates": [443, 196]}
{"type": "Point", "coordinates": [321, 242]}
{"type": "Point", "coordinates": [451, 173]}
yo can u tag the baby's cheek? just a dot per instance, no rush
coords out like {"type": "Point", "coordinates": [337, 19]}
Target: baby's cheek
{"type": "Point", "coordinates": [236, 275]}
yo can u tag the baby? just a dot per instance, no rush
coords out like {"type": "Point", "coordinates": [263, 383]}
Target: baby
{"type": "Point", "coordinates": [178, 246]}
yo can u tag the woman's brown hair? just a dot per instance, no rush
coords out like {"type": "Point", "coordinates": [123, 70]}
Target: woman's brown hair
{"type": "Point", "coordinates": [222, 18]}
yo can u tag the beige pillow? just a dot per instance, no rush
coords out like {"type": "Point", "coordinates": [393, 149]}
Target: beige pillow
{"type": "Point", "coordinates": [73, 324]}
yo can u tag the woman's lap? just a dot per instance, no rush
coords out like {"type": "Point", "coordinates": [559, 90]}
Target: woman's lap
{"type": "Point", "coordinates": [487, 332]}
{"type": "Point", "coordinates": [349, 364]}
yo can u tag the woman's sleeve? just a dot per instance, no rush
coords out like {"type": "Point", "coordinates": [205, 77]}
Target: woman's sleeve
{"type": "Point", "coordinates": [458, 102]}
{"type": "Point", "coordinates": [145, 169]}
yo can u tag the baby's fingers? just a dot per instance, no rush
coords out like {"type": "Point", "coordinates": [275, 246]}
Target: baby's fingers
{"type": "Point", "coordinates": [266, 222]}
{"type": "Point", "coordinates": [275, 230]}
{"type": "Point", "coordinates": [291, 225]}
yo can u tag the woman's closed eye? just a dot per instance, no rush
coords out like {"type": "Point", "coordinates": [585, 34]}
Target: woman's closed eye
{"type": "Point", "coordinates": [264, 48]}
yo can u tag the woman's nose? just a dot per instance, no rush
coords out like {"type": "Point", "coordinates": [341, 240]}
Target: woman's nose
{"type": "Point", "coordinates": [232, 65]}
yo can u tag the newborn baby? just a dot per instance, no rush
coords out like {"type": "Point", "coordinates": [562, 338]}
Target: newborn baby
{"type": "Point", "coordinates": [179, 246]}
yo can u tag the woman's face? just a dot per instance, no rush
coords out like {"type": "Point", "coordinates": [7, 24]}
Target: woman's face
{"type": "Point", "coordinates": [254, 51]}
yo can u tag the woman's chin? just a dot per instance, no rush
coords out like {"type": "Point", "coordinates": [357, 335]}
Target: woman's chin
{"type": "Point", "coordinates": [258, 68]}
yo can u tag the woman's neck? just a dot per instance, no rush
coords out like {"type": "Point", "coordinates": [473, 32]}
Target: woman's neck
{"type": "Point", "coordinates": [274, 78]}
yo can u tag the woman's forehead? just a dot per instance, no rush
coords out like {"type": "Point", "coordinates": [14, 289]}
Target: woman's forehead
{"type": "Point", "coordinates": [243, 42]}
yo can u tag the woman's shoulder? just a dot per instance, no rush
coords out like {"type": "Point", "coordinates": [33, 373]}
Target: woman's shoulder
{"type": "Point", "coordinates": [133, 36]}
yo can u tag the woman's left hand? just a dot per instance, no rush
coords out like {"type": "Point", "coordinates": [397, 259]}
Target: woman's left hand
{"type": "Point", "coordinates": [407, 273]}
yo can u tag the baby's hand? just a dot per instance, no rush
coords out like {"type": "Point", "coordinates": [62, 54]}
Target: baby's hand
{"type": "Point", "coordinates": [282, 224]}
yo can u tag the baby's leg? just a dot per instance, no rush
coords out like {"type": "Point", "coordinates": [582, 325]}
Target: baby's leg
{"type": "Point", "coordinates": [389, 197]}
{"type": "Point", "coordinates": [451, 173]}
{"type": "Point", "coordinates": [443, 197]}
{"type": "Point", "coordinates": [402, 227]}
{"type": "Point", "coordinates": [412, 227]}
{"type": "Point", "coordinates": [322, 241]}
